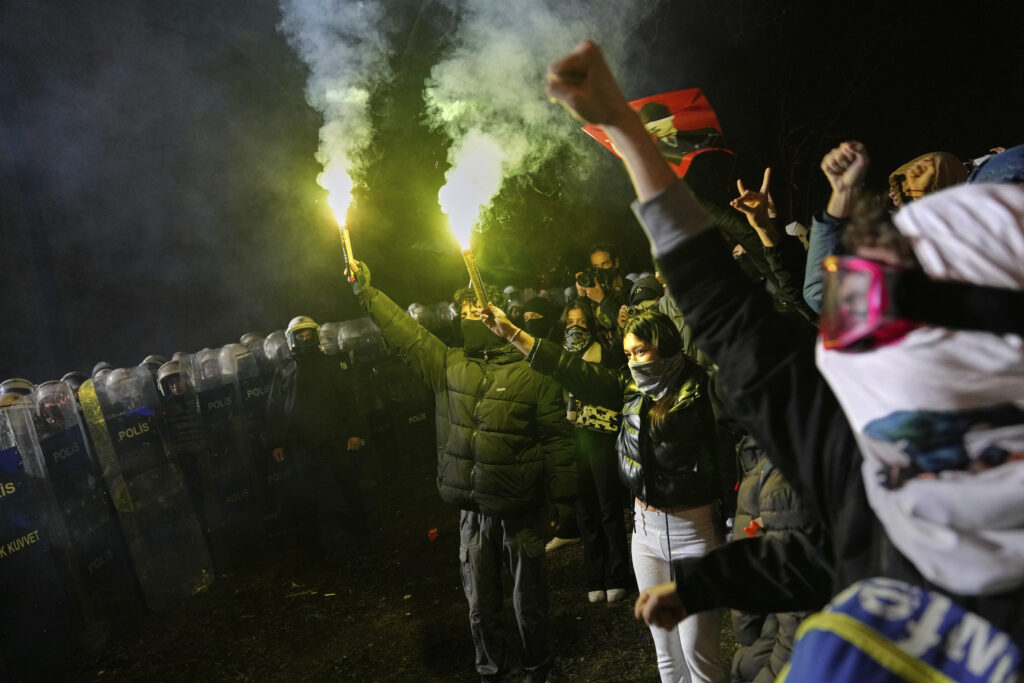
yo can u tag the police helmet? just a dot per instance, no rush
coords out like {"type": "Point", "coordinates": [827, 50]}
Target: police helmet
{"type": "Point", "coordinates": [297, 324]}
{"type": "Point", "coordinates": [52, 401]}
{"type": "Point", "coordinates": [75, 380]}
{"type": "Point", "coordinates": [251, 339]}
{"type": "Point", "coordinates": [417, 312]}
{"type": "Point", "coordinates": [16, 385]}
{"type": "Point", "coordinates": [166, 372]}
{"type": "Point", "coordinates": [102, 366]}
{"type": "Point", "coordinates": [154, 360]}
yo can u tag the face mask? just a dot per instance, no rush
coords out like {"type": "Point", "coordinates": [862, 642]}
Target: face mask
{"type": "Point", "coordinates": [306, 347]}
{"type": "Point", "coordinates": [654, 377]}
{"type": "Point", "coordinates": [476, 338]}
{"type": "Point", "coordinates": [577, 339]}
{"type": "Point", "coordinates": [538, 328]}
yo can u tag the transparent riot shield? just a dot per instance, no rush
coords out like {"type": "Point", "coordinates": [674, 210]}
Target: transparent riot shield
{"type": "Point", "coordinates": [446, 320]}
{"type": "Point", "coordinates": [275, 347]}
{"type": "Point", "coordinates": [361, 339]}
{"type": "Point", "coordinates": [96, 542]}
{"type": "Point", "coordinates": [228, 508]}
{"type": "Point", "coordinates": [254, 342]}
{"type": "Point", "coordinates": [283, 479]}
{"type": "Point", "coordinates": [361, 342]}
{"type": "Point", "coordinates": [329, 337]}
{"type": "Point", "coordinates": [147, 487]}
{"type": "Point", "coordinates": [252, 386]}
{"type": "Point", "coordinates": [41, 613]}
{"type": "Point", "coordinates": [422, 314]}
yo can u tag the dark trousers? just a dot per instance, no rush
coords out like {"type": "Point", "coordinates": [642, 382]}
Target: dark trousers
{"type": "Point", "coordinates": [319, 466]}
{"type": "Point", "coordinates": [599, 511]}
{"type": "Point", "coordinates": [485, 544]}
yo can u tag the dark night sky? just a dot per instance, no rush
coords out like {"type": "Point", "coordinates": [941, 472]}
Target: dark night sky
{"type": "Point", "coordinates": [157, 177]}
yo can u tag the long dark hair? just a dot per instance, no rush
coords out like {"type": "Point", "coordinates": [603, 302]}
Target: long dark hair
{"type": "Point", "coordinates": [588, 316]}
{"type": "Point", "coordinates": [657, 329]}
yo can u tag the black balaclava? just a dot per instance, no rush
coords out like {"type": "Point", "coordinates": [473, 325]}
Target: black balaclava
{"type": "Point", "coordinates": [539, 328]}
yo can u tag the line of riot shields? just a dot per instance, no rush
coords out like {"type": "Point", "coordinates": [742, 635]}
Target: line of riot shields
{"type": "Point", "coordinates": [117, 498]}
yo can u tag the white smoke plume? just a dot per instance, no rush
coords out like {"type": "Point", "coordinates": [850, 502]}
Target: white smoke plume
{"type": "Point", "coordinates": [347, 50]}
{"type": "Point", "coordinates": [491, 86]}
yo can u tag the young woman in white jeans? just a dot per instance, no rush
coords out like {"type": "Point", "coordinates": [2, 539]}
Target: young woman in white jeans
{"type": "Point", "coordinates": [666, 452]}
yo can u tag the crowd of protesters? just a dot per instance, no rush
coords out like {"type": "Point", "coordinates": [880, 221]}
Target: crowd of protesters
{"type": "Point", "coordinates": [818, 428]}
{"type": "Point", "coordinates": [900, 427]}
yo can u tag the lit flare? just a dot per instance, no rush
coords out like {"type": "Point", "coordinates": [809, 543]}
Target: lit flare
{"type": "Point", "coordinates": [471, 183]}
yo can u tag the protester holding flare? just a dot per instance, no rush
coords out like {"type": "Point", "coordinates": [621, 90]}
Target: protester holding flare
{"type": "Point", "coordinates": [505, 459]}
{"type": "Point", "coordinates": [916, 446]}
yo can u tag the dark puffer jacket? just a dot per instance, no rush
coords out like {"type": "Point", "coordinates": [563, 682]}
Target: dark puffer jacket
{"type": "Point", "coordinates": [677, 468]}
{"type": "Point", "coordinates": [504, 447]}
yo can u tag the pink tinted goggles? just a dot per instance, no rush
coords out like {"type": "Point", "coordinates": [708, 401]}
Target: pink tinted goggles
{"type": "Point", "coordinates": [857, 310]}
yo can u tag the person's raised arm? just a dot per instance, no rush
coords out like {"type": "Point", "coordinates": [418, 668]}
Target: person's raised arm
{"type": "Point", "coordinates": [424, 352]}
{"type": "Point", "coordinates": [589, 382]}
{"type": "Point", "coordinates": [497, 321]}
{"type": "Point", "coordinates": [844, 168]}
{"type": "Point", "coordinates": [582, 82]}
{"type": "Point", "coordinates": [757, 207]}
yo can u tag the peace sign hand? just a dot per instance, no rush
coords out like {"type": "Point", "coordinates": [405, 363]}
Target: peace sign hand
{"type": "Point", "coordinates": [758, 206]}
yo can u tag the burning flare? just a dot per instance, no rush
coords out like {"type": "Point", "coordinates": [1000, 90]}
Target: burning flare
{"type": "Point", "coordinates": [338, 183]}
{"type": "Point", "coordinates": [472, 182]}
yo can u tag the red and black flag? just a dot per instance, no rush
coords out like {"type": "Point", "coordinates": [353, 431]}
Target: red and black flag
{"type": "Point", "coordinates": [682, 123]}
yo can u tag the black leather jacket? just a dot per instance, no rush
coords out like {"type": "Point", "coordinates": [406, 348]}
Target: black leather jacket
{"type": "Point", "coordinates": [676, 467]}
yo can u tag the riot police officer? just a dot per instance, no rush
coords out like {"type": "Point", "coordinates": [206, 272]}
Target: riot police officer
{"type": "Point", "coordinates": [311, 415]}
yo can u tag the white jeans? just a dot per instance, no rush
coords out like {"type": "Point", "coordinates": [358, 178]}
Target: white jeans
{"type": "Point", "coordinates": [691, 651]}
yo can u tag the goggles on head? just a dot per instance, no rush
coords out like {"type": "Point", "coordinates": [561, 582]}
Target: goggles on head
{"type": "Point", "coordinates": [858, 310]}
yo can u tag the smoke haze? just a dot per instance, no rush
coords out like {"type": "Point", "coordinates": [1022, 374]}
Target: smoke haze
{"type": "Point", "coordinates": [347, 49]}
{"type": "Point", "coordinates": [491, 81]}
{"type": "Point", "coordinates": [158, 160]}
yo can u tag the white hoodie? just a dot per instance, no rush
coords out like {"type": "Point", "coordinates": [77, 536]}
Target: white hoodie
{"type": "Point", "coordinates": [940, 394]}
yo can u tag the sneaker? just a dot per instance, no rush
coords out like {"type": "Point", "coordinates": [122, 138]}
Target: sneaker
{"type": "Point", "coordinates": [616, 594]}
{"type": "Point", "coordinates": [557, 542]}
{"type": "Point", "coordinates": [596, 596]}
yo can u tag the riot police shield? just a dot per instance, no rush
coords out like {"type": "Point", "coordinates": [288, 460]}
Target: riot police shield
{"type": "Point", "coordinates": [147, 487]}
{"type": "Point", "coordinates": [41, 613]}
{"type": "Point", "coordinates": [254, 342]}
{"type": "Point", "coordinates": [422, 314]}
{"type": "Point", "coordinates": [362, 344]}
{"type": "Point", "coordinates": [251, 382]}
{"type": "Point", "coordinates": [361, 339]}
{"type": "Point", "coordinates": [408, 409]}
{"type": "Point", "coordinates": [252, 386]}
{"type": "Point", "coordinates": [446, 317]}
{"type": "Point", "coordinates": [96, 542]}
{"type": "Point", "coordinates": [275, 347]}
{"type": "Point", "coordinates": [223, 470]}
{"type": "Point", "coordinates": [329, 337]}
